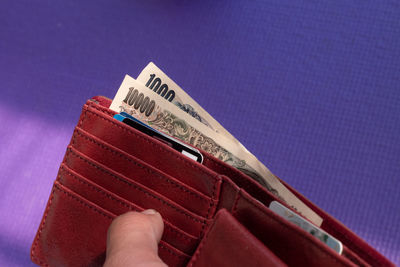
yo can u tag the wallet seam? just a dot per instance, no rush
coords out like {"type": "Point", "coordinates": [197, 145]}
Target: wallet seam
{"type": "Point", "coordinates": [138, 165]}
{"type": "Point", "coordinates": [209, 209]}
{"type": "Point", "coordinates": [352, 258]}
{"type": "Point", "coordinates": [298, 233]}
{"type": "Point", "coordinates": [215, 179]}
{"type": "Point", "coordinates": [42, 225]}
{"type": "Point", "coordinates": [356, 248]}
{"type": "Point", "coordinates": [135, 186]}
{"type": "Point", "coordinates": [234, 208]}
{"type": "Point", "coordinates": [116, 200]}
{"type": "Point", "coordinates": [248, 182]}
{"type": "Point", "coordinates": [145, 140]}
{"type": "Point", "coordinates": [226, 168]}
{"type": "Point", "coordinates": [107, 216]}
{"type": "Point", "coordinates": [170, 251]}
{"type": "Point", "coordinates": [101, 107]}
{"type": "Point", "coordinates": [200, 248]}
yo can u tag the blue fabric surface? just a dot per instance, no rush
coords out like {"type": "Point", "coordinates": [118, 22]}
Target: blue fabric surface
{"type": "Point", "coordinates": [310, 87]}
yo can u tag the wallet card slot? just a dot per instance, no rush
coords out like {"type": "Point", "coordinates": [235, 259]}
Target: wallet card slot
{"type": "Point", "coordinates": [332, 226]}
{"type": "Point", "coordinates": [98, 121]}
{"type": "Point", "coordinates": [117, 205]}
{"type": "Point", "coordinates": [242, 180]}
{"type": "Point", "coordinates": [134, 192]}
{"type": "Point", "coordinates": [284, 238]}
{"type": "Point", "coordinates": [73, 232]}
{"type": "Point", "coordinates": [144, 174]}
{"type": "Point", "coordinates": [353, 244]}
{"type": "Point", "coordinates": [354, 257]}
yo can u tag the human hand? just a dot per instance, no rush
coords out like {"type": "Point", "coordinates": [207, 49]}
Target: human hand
{"type": "Point", "coordinates": [132, 240]}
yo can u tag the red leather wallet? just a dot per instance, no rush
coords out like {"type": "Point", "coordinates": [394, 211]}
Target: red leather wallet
{"type": "Point", "coordinates": [213, 214]}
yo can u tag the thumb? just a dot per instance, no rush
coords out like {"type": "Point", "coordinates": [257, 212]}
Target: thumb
{"type": "Point", "coordinates": [133, 238]}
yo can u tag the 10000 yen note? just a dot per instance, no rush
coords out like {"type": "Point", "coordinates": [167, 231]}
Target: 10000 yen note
{"type": "Point", "coordinates": [136, 99]}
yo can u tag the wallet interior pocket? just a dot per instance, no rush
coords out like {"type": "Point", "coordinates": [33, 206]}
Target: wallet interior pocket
{"type": "Point", "coordinates": [134, 192]}
{"type": "Point", "coordinates": [74, 227]}
{"type": "Point", "coordinates": [98, 122]}
{"type": "Point", "coordinates": [117, 205]}
{"type": "Point", "coordinates": [289, 242]}
{"type": "Point", "coordinates": [349, 239]}
{"type": "Point", "coordinates": [135, 169]}
{"type": "Point", "coordinates": [62, 240]}
{"type": "Point", "coordinates": [98, 108]}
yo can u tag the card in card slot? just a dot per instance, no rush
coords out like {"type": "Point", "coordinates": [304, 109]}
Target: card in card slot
{"type": "Point", "coordinates": [149, 150]}
{"type": "Point", "coordinates": [241, 180]}
{"type": "Point", "coordinates": [186, 150]}
{"type": "Point", "coordinates": [138, 194]}
{"type": "Point", "coordinates": [307, 226]}
{"type": "Point", "coordinates": [290, 243]}
{"type": "Point", "coordinates": [116, 205]}
{"type": "Point", "coordinates": [141, 172]}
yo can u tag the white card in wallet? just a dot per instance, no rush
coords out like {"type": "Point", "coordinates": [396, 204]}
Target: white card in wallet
{"type": "Point", "coordinates": [292, 217]}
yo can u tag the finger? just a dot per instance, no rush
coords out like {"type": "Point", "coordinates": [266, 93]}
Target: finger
{"type": "Point", "coordinates": [133, 238]}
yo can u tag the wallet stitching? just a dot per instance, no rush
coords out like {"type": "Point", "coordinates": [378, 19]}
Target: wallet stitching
{"type": "Point", "coordinates": [237, 197]}
{"type": "Point", "coordinates": [298, 233]}
{"type": "Point", "coordinates": [355, 247]}
{"type": "Point", "coordinates": [34, 257]}
{"type": "Point", "coordinates": [352, 258]}
{"type": "Point", "coordinates": [82, 202]}
{"type": "Point", "coordinates": [247, 182]}
{"type": "Point", "coordinates": [215, 180]}
{"type": "Point", "coordinates": [200, 248]}
{"type": "Point", "coordinates": [142, 166]}
{"type": "Point", "coordinates": [100, 212]}
{"type": "Point", "coordinates": [103, 109]}
{"type": "Point", "coordinates": [131, 207]}
{"type": "Point", "coordinates": [151, 143]}
{"type": "Point", "coordinates": [83, 116]}
{"type": "Point", "coordinates": [209, 210]}
{"type": "Point", "coordinates": [170, 251]}
{"type": "Point", "coordinates": [135, 186]}
{"type": "Point", "coordinates": [162, 177]}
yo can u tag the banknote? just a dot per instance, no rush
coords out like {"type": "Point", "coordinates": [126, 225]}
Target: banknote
{"type": "Point", "coordinates": [156, 80]}
{"type": "Point", "coordinates": [137, 100]}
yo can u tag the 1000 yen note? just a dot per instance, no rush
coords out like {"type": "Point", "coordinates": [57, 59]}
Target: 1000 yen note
{"type": "Point", "coordinates": [156, 80]}
{"type": "Point", "coordinates": [136, 99]}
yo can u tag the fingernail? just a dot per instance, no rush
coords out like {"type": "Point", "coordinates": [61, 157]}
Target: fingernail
{"type": "Point", "coordinates": [149, 212]}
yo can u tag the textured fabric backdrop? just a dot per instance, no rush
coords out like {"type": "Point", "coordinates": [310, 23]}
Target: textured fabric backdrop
{"type": "Point", "coordinates": [310, 87]}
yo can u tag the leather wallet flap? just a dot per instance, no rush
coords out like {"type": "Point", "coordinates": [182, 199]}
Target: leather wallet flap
{"type": "Point", "coordinates": [228, 243]}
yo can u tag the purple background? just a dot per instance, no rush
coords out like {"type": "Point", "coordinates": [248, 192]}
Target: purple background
{"type": "Point", "coordinates": [310, 87]}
